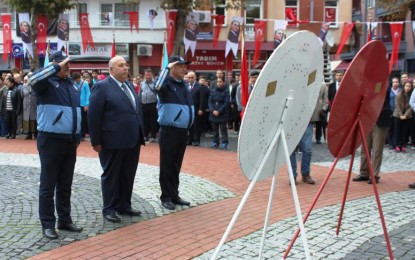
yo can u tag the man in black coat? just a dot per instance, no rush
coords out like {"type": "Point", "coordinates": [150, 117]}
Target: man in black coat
{"type": "Point", "coordinates": [115, 127]}
{"type": "Point", "coordinates": [333, 87]}
{"type": "Point", "coordinates": [195, 90]}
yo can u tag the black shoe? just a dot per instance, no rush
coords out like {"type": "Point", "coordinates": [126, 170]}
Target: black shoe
{"type": "Point", "coordinates": [376, 179]}
{"type": "Point", "coordinates": [50, 233]}
{"type": "Point", "coordinates": [168, 205]}
{"type": "Point", "coordinates": [361, 178]}
{"type": "Point", "coordinates": [113, 218]}
{"type": "Point", "coordinates": [130, 212]}
{"type": "Point", "coordinates": [70, 227]}
{"type": "Point", "coordinates": [28, 137]}
{"type": "Point", "coordinates": [196, 144]}
{"type": "Point", "coordinates": [180, 201]}
{"type": "Point", "coordinates": [412, 185]}
{"type": "Point", "coordinates": [307, 179]}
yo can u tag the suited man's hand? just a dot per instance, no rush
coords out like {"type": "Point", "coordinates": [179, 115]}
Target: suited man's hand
{"type": "Point", "coordinates": [97, 148]}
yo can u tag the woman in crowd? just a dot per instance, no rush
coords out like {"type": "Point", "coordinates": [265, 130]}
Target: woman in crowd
{"type": "Point", "coordinates": [10, 106]}
{"type": "Point", "coordinates": [402, 115]}
{"type": "Point", "coordinates": [29, 110]}
{"type": "Point", "coordinates": [219, 100]}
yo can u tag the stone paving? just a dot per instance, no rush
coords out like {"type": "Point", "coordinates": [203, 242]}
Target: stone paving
{"type": "Point", "coordinates": [361, 232]}
{"type": "Point", "coordinates": [360, 238]}
{"type": "Point", "coordinates": [20, 232]}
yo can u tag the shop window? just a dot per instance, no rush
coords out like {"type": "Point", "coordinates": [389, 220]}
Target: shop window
{"type": "Point", "coordinates": [331, 13]}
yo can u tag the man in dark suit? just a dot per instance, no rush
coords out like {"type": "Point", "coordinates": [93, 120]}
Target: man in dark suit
{"type": "Point", "coordinates": [195, 130]}
{"type": "Point", "coordinates": [333, 87]}
{"type": "Point", "coordinates": [115, 127]}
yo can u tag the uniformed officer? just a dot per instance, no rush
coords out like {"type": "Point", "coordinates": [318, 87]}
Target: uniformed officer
{"type": "Point", "coordinates": [59, 125]}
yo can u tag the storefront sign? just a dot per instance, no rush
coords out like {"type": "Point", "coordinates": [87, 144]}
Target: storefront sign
{"type": "Point", "coordinates": [205, 36]}
{"type": "Point", "coordinates": [100, 50]}
{"type": "Point", "coordinates": [207, 60]}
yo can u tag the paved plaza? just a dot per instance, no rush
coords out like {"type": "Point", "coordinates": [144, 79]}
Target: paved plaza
{"type": "Point", "coordinates": [211, 179]}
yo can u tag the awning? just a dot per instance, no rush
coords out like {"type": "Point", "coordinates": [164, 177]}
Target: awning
{"type": "Point", "coordinates": [339, 65]}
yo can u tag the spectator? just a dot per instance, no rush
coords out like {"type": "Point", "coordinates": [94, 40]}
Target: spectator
{"type": "Point", "coordinates": [402, 117]}
{"type": "Point", "coordinates": [10, 106]}
{"type": "Point", "coordinates": [29, 110]}
{"type": "Point", "coordinates": [219, 114]}
{"type": "Point", "coordinates": [395, 89]}
{"type": "Point", "coordinates": [148, 98]}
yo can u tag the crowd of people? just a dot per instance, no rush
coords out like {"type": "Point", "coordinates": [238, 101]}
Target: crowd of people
{"type": "Point", "coordinates": [120, 113]}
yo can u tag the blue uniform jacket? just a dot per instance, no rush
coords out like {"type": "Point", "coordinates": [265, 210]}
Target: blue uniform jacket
{"type": "Point", "coordinates": [58, 103]}
{"type": "Point", "coordinates": [175, 102]}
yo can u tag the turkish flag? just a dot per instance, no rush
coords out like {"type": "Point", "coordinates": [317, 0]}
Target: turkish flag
{"type": "Point", "coordinates": [171, 29]}
{"type": "Point", "coordinates": [85, 31]}
{"type": "Point", "coordinates": [396, 32]}
{"type": "Point", "coordinates": [133, 20]}
{"type": "Point", "coordinates": [7, 35]}
{"type": "Point", "coordinates": [42, 33]}
{"type": "Point", "coordinates": [220, 20]}
{"type": "Point", "coordinates": [113, 48]}
{"type": "Point", "coordinates": [347, 30]}
{"type": "Point", "coordinates": [259, 27]}
{"type": "Point", "coordinates": [244, 78]}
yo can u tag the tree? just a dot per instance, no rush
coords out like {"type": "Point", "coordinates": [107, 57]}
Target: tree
{"type": "Point", "coordinates": [186, 6]}
{"type": "Point", "coordinates": [400, 6]}
{"type": "Point", "coordinates": [49, 8]}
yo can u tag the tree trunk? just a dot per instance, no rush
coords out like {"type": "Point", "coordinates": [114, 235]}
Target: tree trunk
{"type": "Point", "coordinates": [178, 47]}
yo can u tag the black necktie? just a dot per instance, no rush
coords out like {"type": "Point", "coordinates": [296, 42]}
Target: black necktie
{"type": "Point", "coordinates": [124, 87]}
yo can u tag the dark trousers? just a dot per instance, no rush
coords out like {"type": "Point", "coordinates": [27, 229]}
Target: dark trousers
{"type": "Point", "coordinates": [197, 128]}
{"type": "Point", "coordinates": [84, 122]}
{"type": "Point", "coordinates": [236, 115]}
{"type": "Point", "coordinates": [117, 180]}
{"type": "Point", "coordinates": [401, 131]}
{"type": "Point", "coordinates": [172, 143]}
{"type": "Point", "coordinates": [223, 132]}
{"type": "Point", "coordinates": [320, 130]}
{"type": "Point", "coordinates": [150, 120]}
{"type": "Point", "coordinates": [390, 138]}
{"type": "Point", "coordinates": [10, 120]}
{"type": "Point", "coordinates": [57, 163]}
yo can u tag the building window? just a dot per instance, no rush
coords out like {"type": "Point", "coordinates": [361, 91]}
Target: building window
{"type": "Point", "coordinates": [80, 8]}
{"type": "Point", "coordinates": [121, 19]}
{"type": "Point", "coordinates": [252, 11]}
{"type": "Point", "coordinates": [221, 9]}
{"type": "Point", "coordinates": [292, 6]}
{"type": "Point", "coordinates": [330, 13]}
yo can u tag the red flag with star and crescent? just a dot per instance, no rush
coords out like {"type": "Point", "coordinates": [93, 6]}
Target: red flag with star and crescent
{"type": "Point", "coordinates": [42, 33]}
{"type": "Point", "coordinates": [85, 31]}
{"type": "Point", "coordinates": [259, 27]}
{"type": "Point", "coordinates": [171, 29]}
{"type": "Point", "coordinates": [7, 35]}
{"type": "Point", "coordinates": [396, 32]}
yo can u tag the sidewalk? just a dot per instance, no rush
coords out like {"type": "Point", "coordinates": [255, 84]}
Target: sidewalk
{"type": "Point", "coordinates": [189, 232]}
